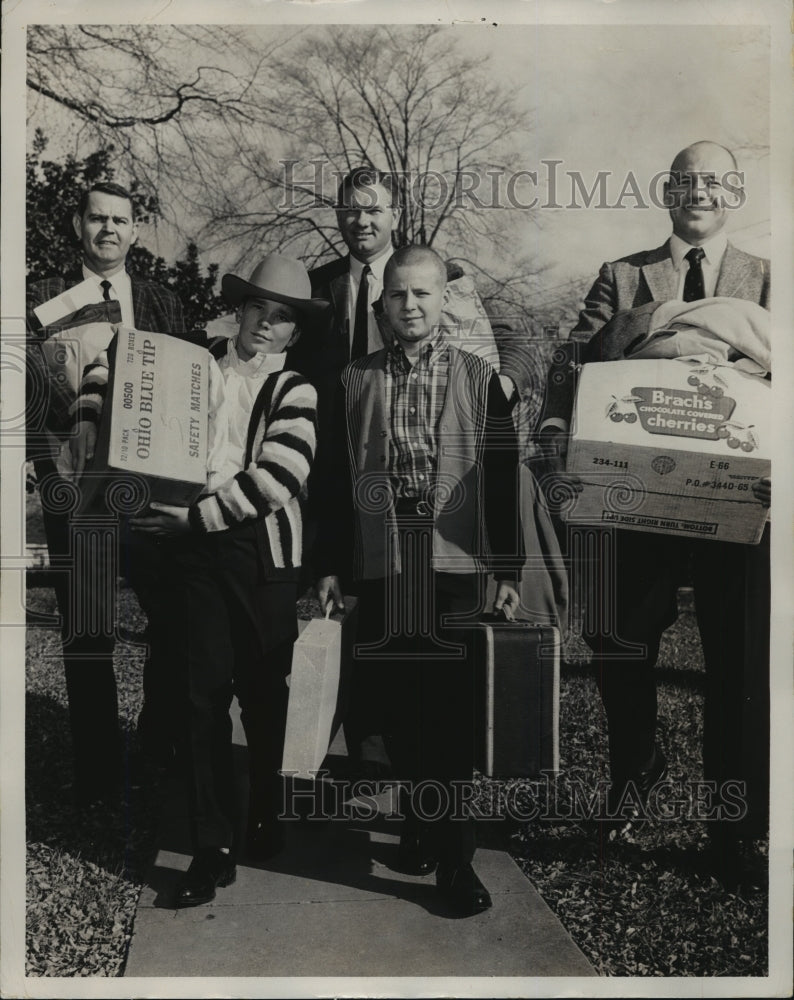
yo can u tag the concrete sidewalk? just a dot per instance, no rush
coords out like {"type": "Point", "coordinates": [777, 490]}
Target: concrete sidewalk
{"type": "Point", "coordinates": [333, 905]}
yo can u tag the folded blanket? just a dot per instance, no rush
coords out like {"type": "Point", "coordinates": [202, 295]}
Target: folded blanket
{"type": "Point", "coordinates": [720, 330]}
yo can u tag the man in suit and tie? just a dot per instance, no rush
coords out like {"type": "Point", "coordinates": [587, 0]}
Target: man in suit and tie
{"type": "Point", "coordinates": [367, 215]}
{"type": "Point", "coordinates": [105, 226]}
{"type": "Point", "coordinates": [627, 291]}
{"type": "Point", "coordinates": [637, 584]}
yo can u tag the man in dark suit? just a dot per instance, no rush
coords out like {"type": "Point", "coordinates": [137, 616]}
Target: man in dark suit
{"type": "Point", "coordinates": [635, 600]}
{"type": "Point", "coordinates": [105, 226]}
{"type": "Point", "coordinates": [367, 215]}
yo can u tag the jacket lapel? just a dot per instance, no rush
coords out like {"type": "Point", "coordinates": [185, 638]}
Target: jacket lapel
{"type": "Point", "coordinates": [139, 307]}
{"type": "Point", "coordinates": [660, 275]}
{"type": "Point", "coordinates": [73, 278]}
{"type": "Point", "coordinates": [338, 290]}
{"type": "Point", "coordinates": [736, 279]}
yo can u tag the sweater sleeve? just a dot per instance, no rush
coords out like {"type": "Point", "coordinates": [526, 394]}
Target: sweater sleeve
{"type": "Point", "coordinates": [93, 390]}
{"type": "Point", "coordinates": [286, 436]}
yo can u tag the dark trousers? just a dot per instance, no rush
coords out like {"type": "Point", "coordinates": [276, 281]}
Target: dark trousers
{"type": "Point", "coordinates": [632, 600]}
{"type": "Point", "coordinates": [237, 630]}
{"type": "Point", "coordinates": [87, 553]}
{"type": "Point", "coordinates": [416, 664]}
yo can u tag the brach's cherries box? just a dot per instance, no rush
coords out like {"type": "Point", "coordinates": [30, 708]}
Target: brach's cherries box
{"type": "Point", "coordinates": [670, 446]}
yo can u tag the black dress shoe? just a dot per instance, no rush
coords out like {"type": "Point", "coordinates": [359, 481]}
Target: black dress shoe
{"type": "Point", "coordinates": [414, 857]}
{"type": "Point", "coordinates": [462, 890]}
{"type": "Point", "coordinates": [731, 861]}
{"type": "Point", "coordinates": [265, 839]}
{"type": "Point", "coordinates": [628, 795]}
{"type": "Point", "coordinates": [97, 795]}
{"type": "Point", "coordinates": [210, 868]}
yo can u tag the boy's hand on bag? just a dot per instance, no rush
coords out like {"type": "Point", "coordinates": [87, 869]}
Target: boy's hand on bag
{"type": "Point", "coordinates": [762, 491]}
{"type": "Point", "coordinates": [82, 445]}
{"type": "Point", "coordinates": [506, 598]}
{"type": "Point", "coordinates": [167, 520]}
{"type": "Point", "coordinates": [328, 589]}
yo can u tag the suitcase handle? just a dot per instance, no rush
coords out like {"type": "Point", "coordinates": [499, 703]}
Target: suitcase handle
{"type": "Point", "coordinates": [496, 618]}
{"type": "Point", "coordinates": [500, 618]}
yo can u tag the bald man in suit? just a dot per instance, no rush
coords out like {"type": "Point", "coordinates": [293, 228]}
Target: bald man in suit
{"type": "Point", "coordinates": [636, 599]}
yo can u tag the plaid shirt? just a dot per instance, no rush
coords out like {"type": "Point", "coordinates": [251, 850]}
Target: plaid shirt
{"type": "Point", "coordinates": [415, 396]}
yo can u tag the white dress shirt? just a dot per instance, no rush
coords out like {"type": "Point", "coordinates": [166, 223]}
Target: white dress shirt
{"type": "Point", "coordinates": [242, 382]}
{"type": "Point", "coordinates": [377, 267]}
{"type": "Point", "coordinates": [714, 249]}
{"type": "Point", "coordinates": [120, 289]}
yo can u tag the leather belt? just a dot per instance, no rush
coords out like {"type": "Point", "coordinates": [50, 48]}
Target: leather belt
{"type": "Point", "coordinates": [413, 507]}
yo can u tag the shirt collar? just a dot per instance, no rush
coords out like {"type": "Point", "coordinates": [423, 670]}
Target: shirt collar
{"type": "Point", "coordinates": [432, 352]}
{"type": "Point", "coordinates": [256, 367]}
{"type": "Point", "coordinates": [713, 250]}
{"type": "Point", "coordinates": [376, 266]}
{"type": "Point", "coordinates": [118, 276]}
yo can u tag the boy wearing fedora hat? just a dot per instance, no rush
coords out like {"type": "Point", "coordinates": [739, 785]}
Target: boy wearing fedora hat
{"type": "Point", "coordinates": [235, 558]}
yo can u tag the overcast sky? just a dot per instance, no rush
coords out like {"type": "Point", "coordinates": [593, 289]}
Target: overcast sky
{"type": "Point", "coordinates": [627, 98]}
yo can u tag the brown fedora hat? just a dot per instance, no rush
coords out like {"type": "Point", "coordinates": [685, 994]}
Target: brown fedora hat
{"type": "Point", "coordinates": [281, 279]}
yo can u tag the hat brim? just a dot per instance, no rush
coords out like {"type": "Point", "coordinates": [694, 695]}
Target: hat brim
{"type": "Point", "coordinates": [235, 290]}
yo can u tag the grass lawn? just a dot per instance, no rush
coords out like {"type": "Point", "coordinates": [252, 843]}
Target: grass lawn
{"type": "Point", "coordinates": [644, 907]}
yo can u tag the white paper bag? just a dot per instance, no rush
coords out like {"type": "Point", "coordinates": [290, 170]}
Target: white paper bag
{"type": "Point", "coordinates": [313, 691]}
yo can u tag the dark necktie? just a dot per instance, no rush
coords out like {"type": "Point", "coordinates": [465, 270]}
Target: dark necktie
{"type": "Point", "coordinates": [361, 324]}
{"type": "Point", "coordinates": [106, 286]}
{"type": "Point", "coordinates": [693, 283]}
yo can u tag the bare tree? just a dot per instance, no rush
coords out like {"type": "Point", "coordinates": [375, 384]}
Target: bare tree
{"type": "Point", "coordinates": [403, 100]}
{"type": "Point", "coordinates": [244, 132]}
{"type": "Point", "coordinates": [178, 104]}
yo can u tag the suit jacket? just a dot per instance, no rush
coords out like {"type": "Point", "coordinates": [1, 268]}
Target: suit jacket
{"type": "Point", "coordinates": [320, 354]}
{"type": "Point", "coordinates": [640, 282]}
{"type": "Point", "coordinates": [155, 308]}
{"type": "Point", "coordinates": [329, 281]}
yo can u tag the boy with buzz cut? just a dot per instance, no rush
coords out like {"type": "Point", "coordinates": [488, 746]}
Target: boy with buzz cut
{"type": "Point", "coordinates": [432, 457]}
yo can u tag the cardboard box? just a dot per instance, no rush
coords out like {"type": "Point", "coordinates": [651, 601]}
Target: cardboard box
{"type": "Point", "coordinates": [152, 442]}
{"type": "Point", "coordinates": [671, 446]}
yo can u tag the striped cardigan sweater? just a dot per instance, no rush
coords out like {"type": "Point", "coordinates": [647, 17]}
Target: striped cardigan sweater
{"type": "Point", "coordinates": [282, 436]}
{"type": "Point", "coordinates": [270, 489]}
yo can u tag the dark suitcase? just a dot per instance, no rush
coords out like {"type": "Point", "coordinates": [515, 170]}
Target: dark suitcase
{"type": "Point", "coordinates": [519, 698]}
